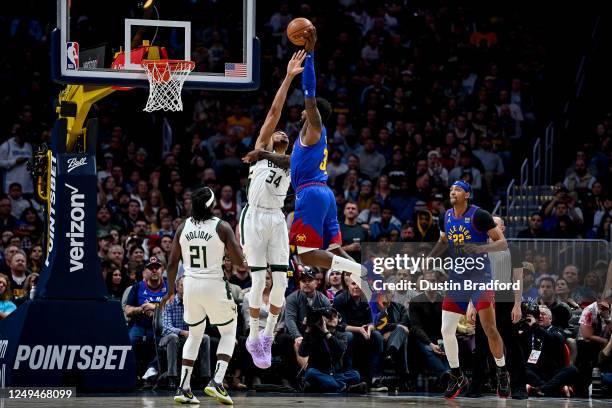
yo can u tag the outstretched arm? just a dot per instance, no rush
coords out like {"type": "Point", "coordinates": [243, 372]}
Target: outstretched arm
{"type": "Point", "coordinates": [231, 244]}
{"type": "Point", "coordinates": [281, 160]}
{"type": "Point", "coordinates": [314, 128]}
{"type": "Point", "coordinates": [294, 67]}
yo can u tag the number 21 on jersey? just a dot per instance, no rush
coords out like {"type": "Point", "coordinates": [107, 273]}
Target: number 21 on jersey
{"type": "Point", "coordinates": [323, 165]}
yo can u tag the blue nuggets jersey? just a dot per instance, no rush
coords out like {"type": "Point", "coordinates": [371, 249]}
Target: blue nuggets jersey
{"type": "Point", "coordinates": [459, 231]}
{"type": "Point", "coordinates": [309, 163]}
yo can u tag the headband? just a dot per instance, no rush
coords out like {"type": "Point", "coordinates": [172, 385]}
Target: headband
{"type": "Point", "coordinates": [463, 185]}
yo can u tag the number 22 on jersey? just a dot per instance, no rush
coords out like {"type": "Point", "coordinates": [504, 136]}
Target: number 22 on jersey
{"type": "Point", "coordinates": [323, 165]}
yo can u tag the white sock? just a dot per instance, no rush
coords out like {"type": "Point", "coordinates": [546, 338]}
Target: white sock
{"type": "Point", "coordinates": [500, 362]}
{"type": "Point", "coordinates": [220, 371]}
{"type": "Point", "coordinates": [186, 377]}
{"type": "Point", "coordinates": [254, 328]}
{"type": "Point", "coordinates": [270, 325]}
{"type": "Point", "coordinates": [346, 265]}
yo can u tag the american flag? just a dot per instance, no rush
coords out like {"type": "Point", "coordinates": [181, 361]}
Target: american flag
{"type": "Point", "coordinates": [235, 70]}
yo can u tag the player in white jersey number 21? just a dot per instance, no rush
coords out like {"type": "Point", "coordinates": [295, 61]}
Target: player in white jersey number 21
{"type": "Point", "coordinates": [263, 230]}
{"type": "Point", "coordinates": [200, 242]}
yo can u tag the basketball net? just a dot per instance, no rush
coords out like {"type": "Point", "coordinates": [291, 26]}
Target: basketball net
{"type": "Point", "coordinates": [166, 78]}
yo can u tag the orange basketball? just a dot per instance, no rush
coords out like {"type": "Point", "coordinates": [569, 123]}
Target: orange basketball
{"type": "Point", "coordinates": [296, 29]}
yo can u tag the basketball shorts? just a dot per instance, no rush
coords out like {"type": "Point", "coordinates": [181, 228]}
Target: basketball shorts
{"type": "Point", "coordinates": [264, 236]}
{"type": "Point", "coordinates": [315, 224]}
{"type": "Point", "coordinates": [207, 296]}
{"type": "Point", "coordinates": [458, 300]}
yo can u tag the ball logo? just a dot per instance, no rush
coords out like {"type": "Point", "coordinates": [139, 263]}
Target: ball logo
{"type": "Point", "coordinates": [72, 56]}
{"type": "Point", "coordinates": [75, 163]}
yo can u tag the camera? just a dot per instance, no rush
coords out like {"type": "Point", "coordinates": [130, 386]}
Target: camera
{"type": "Point", "coordinates": [314, 315]}
{"type": "Point", "coordinates": [528, 309]}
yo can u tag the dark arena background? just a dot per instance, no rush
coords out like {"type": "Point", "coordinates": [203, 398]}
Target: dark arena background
{"type": "Point", "coordinates": [509, 98]}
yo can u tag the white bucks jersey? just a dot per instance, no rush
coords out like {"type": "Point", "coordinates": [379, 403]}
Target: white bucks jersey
{"type": "Point", "coordinates": [202, 249]}
{"type": "Point", "coordinates": [268, 184]}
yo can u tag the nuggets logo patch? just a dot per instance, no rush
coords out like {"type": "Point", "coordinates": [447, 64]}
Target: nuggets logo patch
{"type": "Point", "coordinates": [300, 238]}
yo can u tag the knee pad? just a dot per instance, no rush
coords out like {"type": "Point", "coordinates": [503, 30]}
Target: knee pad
{"type": "Point", "coordinates": [228, 338]}
{"type": "Point", "coordinates": [192, 345]}
{"type": "Point", "coordinates": [279, 286]}
{"type": "Point", "coordinates": [258, 283]}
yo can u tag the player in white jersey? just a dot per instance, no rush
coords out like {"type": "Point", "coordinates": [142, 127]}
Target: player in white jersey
{"type": "Point", "coordinates": [263, 230]}
{"type": "Point", "coordinates": [200, 242]}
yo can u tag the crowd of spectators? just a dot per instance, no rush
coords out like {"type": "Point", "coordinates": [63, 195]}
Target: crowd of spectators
{"type": "Point", "coordinates": [422, 95]}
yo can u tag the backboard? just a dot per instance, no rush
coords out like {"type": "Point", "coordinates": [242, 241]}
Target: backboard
{"type": "Point", "coordinates": [103, 42]}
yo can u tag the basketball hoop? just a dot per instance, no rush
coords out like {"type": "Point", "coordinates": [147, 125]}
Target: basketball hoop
{"type": "Point", "coordinates": [166, 78]}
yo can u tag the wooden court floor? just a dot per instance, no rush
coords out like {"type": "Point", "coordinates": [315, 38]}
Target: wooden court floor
{"type": "Point", "coordinates": [252, 400]}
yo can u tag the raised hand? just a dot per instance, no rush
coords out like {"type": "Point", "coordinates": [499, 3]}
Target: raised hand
{"type": "Point", "coordinates": [294, 66]}
{"type": "Point", "coordinates": [310, 38]}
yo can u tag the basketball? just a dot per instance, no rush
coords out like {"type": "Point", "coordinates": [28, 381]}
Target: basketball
{"type": "Point", "coordinates": [296, 29]}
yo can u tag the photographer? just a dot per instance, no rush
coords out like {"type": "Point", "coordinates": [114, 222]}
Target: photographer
{"type": "Point", "coordinates": [325, 347]}
{"type": "Point", "coordinates": [363, 339]}
{"type": "Point", "coordinates": [546, 373]}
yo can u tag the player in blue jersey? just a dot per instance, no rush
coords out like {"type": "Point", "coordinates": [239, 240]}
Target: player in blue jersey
{"type": "Point", "coordinates": [315, 230]}
{"type": "Point", "coordinates": [465, 230]}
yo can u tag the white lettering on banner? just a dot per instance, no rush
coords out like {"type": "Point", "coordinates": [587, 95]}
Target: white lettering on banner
{"type": "Point", "coordinates": [74, 163]}
{"type": "Point", "coordinates": [86, 357]}
{"type": "Point", "coordinates": [51, 208]}
{"type": "Point", "coordinates": [3, 347]}
{"type": "Point", "coordinates": [77, 229]}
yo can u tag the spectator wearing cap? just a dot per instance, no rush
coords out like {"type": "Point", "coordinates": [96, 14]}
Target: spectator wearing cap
{"type": "Point", "coordinates": [144, 297]}
{"type": "Point", "coordinates": [363, 339]}
{"type": "Point", "coordinates": [466, 166]}
{"type": "Point", "coordinates": [396, 170]}
{"type": "Point", "coordinates": [371, 162]}
{"type": "Point", "coordinates": [353, 234]}
{"type": "Point", "coordinates": [388, 222]}
{"type": "Point", "coordinates": [297, 306]}
{"type": "Point", "coordinates": [175, 333]}
{"type": "Point", "coordinates": [104, 242]}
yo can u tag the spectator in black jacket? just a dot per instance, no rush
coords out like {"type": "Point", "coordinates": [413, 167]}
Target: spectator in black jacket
{"type": "Point", "coordinates": [393, 323]}
{"type": "Point", "coordinates": [363, 339]}
{"type": "Point", "coordinates": [426, 321]}
{"type": "Point", "coordinates": [546, 372]}
{"type": "Point", "coordinates": [561, 313]}
{"type": "Point", "coordinates": [535, 229]}
{"type": "Point", "coordinates": [297, 306]}
{"type": "Point", "coordinates": [325, 347]}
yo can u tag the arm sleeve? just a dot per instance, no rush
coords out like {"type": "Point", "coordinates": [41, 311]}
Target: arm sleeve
{"type": "Point", "coordinates": [483, 220]}
{"type": "Point", "coordinates": [309, 79]}
{"type": "Point", "coordinates": [515, 256]}
{"type": "Point", "coordinates": [441, 222]}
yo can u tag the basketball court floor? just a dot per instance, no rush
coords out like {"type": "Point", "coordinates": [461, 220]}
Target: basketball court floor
{"type": "Point", "coordinates": [267, 400]}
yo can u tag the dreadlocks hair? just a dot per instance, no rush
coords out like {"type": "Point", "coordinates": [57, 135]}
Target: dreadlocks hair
{"type": "Point", "coordinates": [200, 211]}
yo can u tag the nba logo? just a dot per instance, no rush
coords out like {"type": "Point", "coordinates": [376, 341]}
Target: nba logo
{"type": "Point", "coordinates": [72, 55]}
